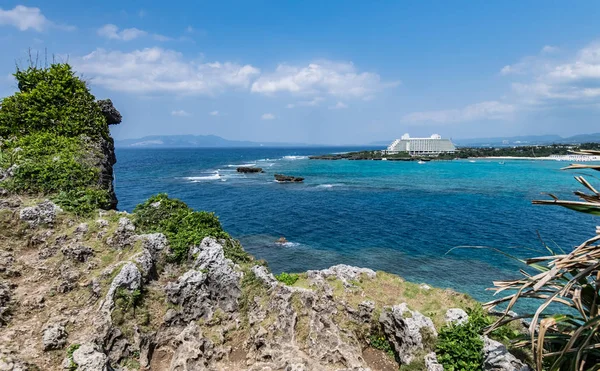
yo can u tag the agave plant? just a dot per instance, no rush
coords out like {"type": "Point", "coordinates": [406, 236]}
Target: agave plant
{"type": "Point", "coordinates": [564, 330]}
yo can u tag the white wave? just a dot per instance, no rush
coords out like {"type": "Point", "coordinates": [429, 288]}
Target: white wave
{"type": "Point", "coordinates": [288, 244]}
{"type": "Point", "coordinates": [195, 179]}
{"type": "Point", "coordinates": [329, 185]}
{"type": "Point", "coordinates": [241, 165]}
{"type": "Point", "coordinates": [294, 157]}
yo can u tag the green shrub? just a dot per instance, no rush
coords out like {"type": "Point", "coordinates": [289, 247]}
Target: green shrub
{"type": "Point", "coordinates": [83, 201]}
{"type": "Point", "coordinates": [51, 100]}
{"type": "Point", "coordinates": [70, 350]}
{"type": "Point", "coordinates": [48, 163]}
{"type": "Point", "coordinates": [183, 226]}
{"type": "Point", "coordinates": [379, 341]}
{"type": "Point", "coordinates": [460, 347]}
{"type": "Point", "coordinates": [47, 129]}
{"type": "Point", "coordinates": [287, 278]}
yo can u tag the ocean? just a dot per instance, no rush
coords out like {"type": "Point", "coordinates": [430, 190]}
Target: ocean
{"type": "Point", "coordinates": [401, 217]}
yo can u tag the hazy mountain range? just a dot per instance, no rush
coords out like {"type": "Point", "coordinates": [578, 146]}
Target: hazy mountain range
{"type": "Point", "coordinates": [213, 141]}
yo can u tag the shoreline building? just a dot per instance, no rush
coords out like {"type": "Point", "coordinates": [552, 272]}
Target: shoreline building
{"type": "Point", "coordinates": [432, 146]}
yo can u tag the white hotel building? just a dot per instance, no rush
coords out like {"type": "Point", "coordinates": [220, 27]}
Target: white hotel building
{"type": "Point", "coordinates": [432, 146]}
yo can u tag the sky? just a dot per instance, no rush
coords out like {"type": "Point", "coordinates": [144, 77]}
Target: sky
{"type": "Point", "coordinates": [322, 72]}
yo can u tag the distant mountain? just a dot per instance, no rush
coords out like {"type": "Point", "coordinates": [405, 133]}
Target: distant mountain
{"type": "Point", "coordinates": [511, 141]}
{"type": "Point", "coordinates": [201, 141]}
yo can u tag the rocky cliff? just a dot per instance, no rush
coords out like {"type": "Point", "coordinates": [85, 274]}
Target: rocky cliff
{"type": "Point", "coordinates": [96, 294]}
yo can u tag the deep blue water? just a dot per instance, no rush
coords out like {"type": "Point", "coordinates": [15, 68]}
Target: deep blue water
{"type": "Point", "coordinates": [401, 217]}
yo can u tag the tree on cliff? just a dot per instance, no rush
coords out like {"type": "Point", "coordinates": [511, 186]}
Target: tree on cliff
{"type": "Point", "coordinates": [55, 141]}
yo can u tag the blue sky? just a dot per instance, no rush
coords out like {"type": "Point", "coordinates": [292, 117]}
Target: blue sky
{"type": "Point", "coordinates": [329, 72]}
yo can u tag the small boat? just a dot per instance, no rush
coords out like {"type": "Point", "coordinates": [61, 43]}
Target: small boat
{"type": "Point", "coordinates": [471, 160]}
{"type": "Point", "coordinates": [384, 159]}
{"type": "Point", "coordinates": [501, 162]}
{"type": "Point", "coordinates": [421, 162]}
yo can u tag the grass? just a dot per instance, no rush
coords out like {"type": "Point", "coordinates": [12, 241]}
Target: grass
{"type": "Point", "coordinates": [388, 289]}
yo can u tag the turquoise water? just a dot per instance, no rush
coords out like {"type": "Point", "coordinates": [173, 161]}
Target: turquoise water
{"type": "Point", "coordinates": [401, 217]}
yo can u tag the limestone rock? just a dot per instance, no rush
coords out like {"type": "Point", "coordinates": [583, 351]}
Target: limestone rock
{"type": "Point", "coordinates": [54, 337]}
{"type": "Point", "coordinates": [345, 273]}
{"type": "Point", "coordinates": [42, 213]}
{"type": "Point", "coordinates": [88, 357]}
{"type": "Point", "coordinates": [11, 362]}
{"type": "Point", "coordinates": [78, 253]}
{"type": "Point", "coordinates": [112, 115]}
{"type": "Point", "coordinates": [146, 263]}
{"type": "Point", "coordinates": [128, 278]}
{"type": "Point", "coordinates": [155, 243]}
{"type": "Point", "coordinates": [102, 223]}
{"type": "Point", "coordinates": [215, 284]}
{"type": "Point", "coordinates": [82, 228]}
{"type": "Point", "coordinates": [193, 350]}
{"type": "Point", "coordinates": [263, 273]}
{"type": "Point", "coordinates": [124, 235]}
{"type": "Point", "coordinates": [431, 363]}
{"type": "Point", "coordinates": [497, 357]}
{"type": "Point", "coordinates": [408, 331]}
{"type": "Point", "coordinates": [5, 301]}
{"type": "Point", "coordinates": [456, 316]}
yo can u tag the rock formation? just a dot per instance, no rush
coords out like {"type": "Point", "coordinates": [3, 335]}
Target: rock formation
{"type": "Point", "coordinates": [288, 179]}
{"type": "Point", "coordinates": [249, 169]}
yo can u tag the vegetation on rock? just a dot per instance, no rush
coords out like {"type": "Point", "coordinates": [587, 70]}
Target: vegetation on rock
{"type": "Point", "coordinates": [48, 135]}
{"type": "Point", "coordinates": [287, 278]}
{"type": "Point", "coordinates": [183, 226]}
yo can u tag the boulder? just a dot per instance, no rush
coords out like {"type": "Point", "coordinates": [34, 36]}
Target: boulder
{"type": "Point", "coordinates": [54, 336]}
{"type": "Point", "coordinates": [88, 357]}
{"type": "Point", "coordinates": [42, 213]}
{"type": "Point", "coordinates": [408, 331]}
{"type": "Point", "coordinates": [497, 357]}
{"type": "Point", "coordinates": [456, 316]}
{"type": "Point", "coordinates": [112, 115]}
{"type": "Point", "coordinates": [5, 301]}
{"type": "Point", "coordinates": [78, 253]}
{"type": "Point", "coordinates": [124, 235]}
{"type": "Point", "coordinates": [212, 284]}
{"type": "Point", "coordinates": [128, 278]}
{"type": "Point", "coordinates": [288, 179]}
{"type": "Point", "coordinates": [155, 243]}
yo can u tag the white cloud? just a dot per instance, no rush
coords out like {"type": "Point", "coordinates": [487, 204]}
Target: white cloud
{"type": "Point", "coordinates": [290, 105]}
{"type": "Point", "coordinates": [491, 110]}
{"type": "Point", "coordinates": [548, 81]}
{"type": "Point", "coordinates": [550, 49]}
{"type": "Point", "coordinates": [111, 31]}
{"type": "Point", "coordinates": [268, 116]}
{"type": "Point", "coordinates": [214, 113]}
{"type": "Point", "coordinates": [25, 18]}
{"type": "Point", "coordinates": [180, 113]}
{"type": "Point", "coordinates": [158, 70]}
{"type": "Point", "coordinates": [339, 105]}
{"type": "Point", "coordinates": [323, 77]}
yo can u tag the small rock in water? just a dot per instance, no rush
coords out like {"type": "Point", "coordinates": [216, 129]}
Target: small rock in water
{"type": "Point", "coordinates": [281, 241]}
{"type": "Point", "coordinates": [288, 179]}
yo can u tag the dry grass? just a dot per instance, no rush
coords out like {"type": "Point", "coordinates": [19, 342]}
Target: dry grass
{"type": "Point", "coordinates": [387, 289]}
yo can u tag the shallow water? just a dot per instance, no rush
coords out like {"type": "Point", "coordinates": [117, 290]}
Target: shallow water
{"type": "Point", "coordinates": [401, 217]}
